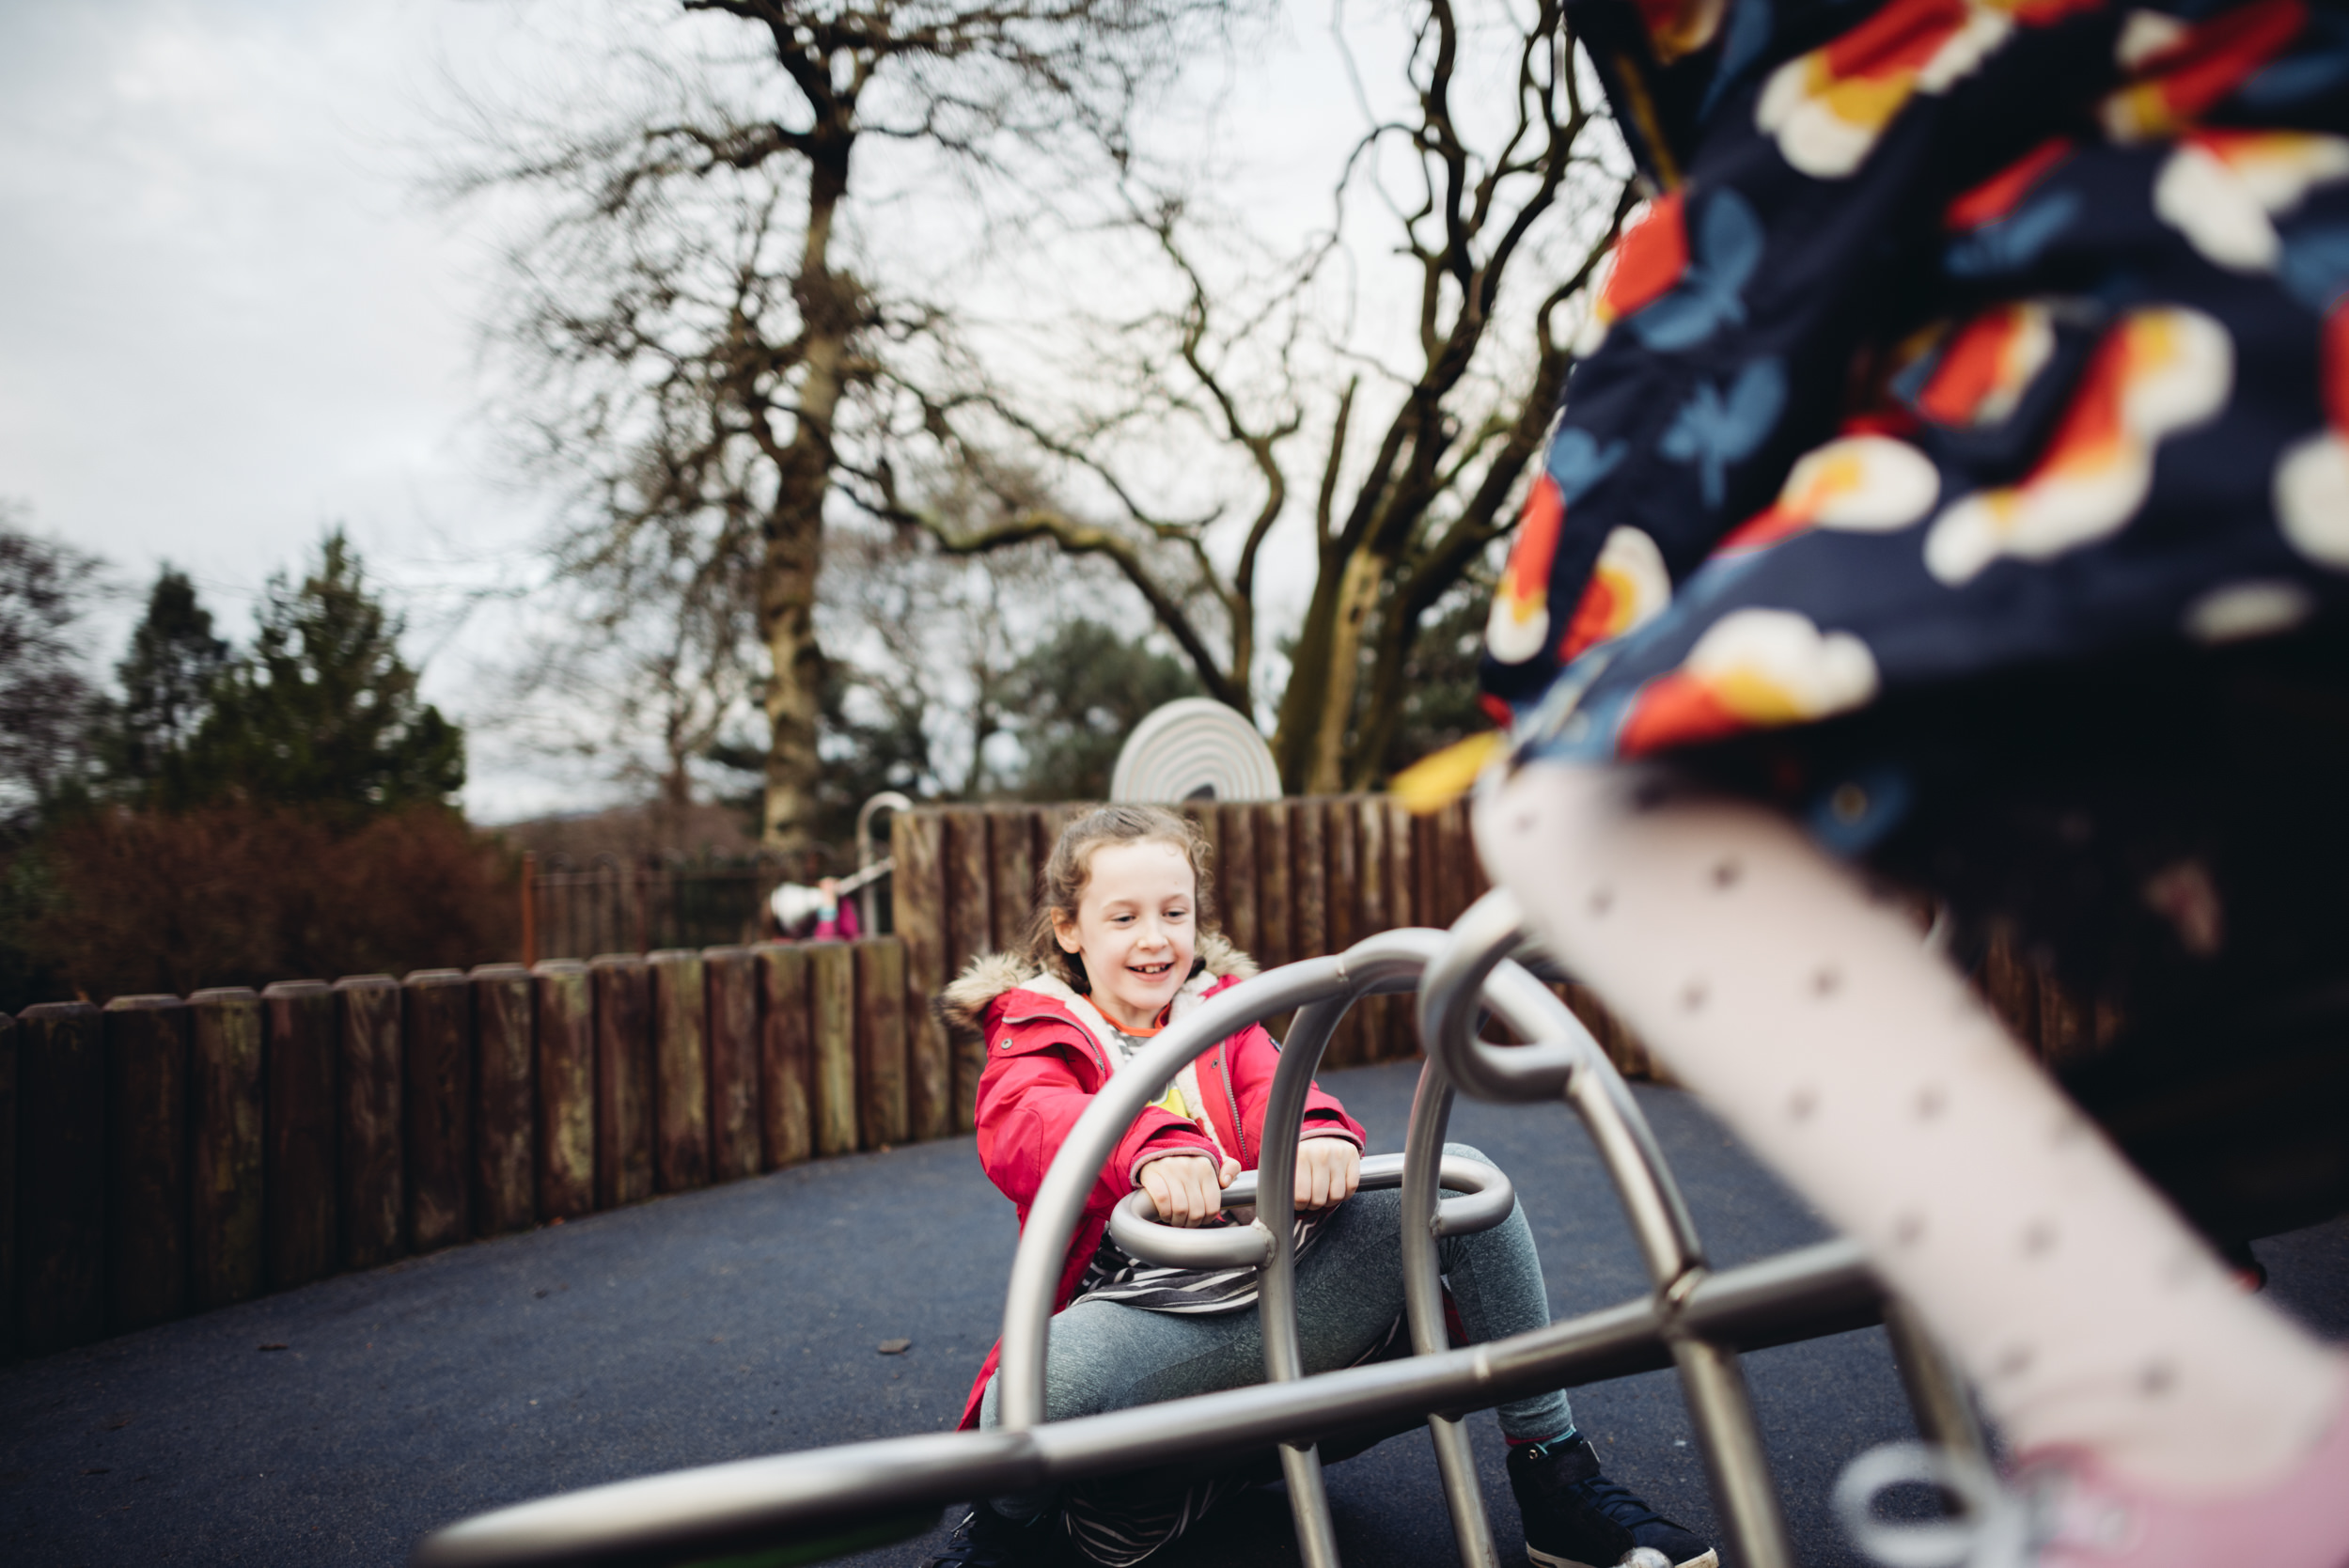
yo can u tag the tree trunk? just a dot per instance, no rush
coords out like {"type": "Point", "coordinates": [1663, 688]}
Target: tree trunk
{"type": "Point", "coordinates": [1358, 593]}
{"type": "Point", "coordinates": [794, 526]}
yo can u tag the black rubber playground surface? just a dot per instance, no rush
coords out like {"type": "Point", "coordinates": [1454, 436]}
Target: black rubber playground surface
{"type": "Point", "coordinates": [340, 1422]}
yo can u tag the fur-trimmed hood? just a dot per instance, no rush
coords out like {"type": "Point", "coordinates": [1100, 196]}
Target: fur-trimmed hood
{"type": "Point", "coordinates": [964, 1002]}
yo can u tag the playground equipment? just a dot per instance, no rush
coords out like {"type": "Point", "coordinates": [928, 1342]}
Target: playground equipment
{"type": "Point", "coordinates": [1195, 748]}
{"type": "Point", "coordinates": [810, 1505]}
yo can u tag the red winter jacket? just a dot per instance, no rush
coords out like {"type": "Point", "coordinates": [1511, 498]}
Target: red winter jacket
{"type": "Point", "coordinates": [1044, 1061]}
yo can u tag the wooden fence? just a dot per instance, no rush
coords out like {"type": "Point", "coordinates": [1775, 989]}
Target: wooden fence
{"type": "Point", "coordinates": [613, 904]}
{"type": "Point", "coordinates": [160, 1156]}
{"type": "Point", "coordinates": [1294, 879]}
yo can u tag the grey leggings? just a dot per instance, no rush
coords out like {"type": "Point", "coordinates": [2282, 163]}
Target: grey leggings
{"type": "Point", "coordinates": [1107, 1356]}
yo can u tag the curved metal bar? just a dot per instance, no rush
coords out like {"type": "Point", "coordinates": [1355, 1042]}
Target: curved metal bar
{"type": "Point", "coordinates": [893, 802]}
{"type": "Point", "coordinates": [692, 1515]}
{"type": "Point", "coordinates": [1475, 965]}
{"type": "Point", "coordinates": [1140, 1216]}
{"type": "Point", "coordinates": [1275, 1209]}
{"type": "Point", "coordinates": [1423, 1309]}
{"type": "Point", "coordinates": [1061, 1198]}
{"type": "Point", "coordinates": [1135, 1226]}
{"type": "Point", "coordinates": [1390, 961]}
{"type": "Point", "coordinates": [1479, 942]}
{"type": "Point", "coordinates": [1276, 1280]}
{"type": "Point", "coordinates": [1486, 1195]}
{"type": "Point", "coordinates": [1936, 1392]}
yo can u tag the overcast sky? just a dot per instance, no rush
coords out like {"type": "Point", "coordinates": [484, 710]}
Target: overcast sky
{"type": "Point", "coordinates": [229, 317]}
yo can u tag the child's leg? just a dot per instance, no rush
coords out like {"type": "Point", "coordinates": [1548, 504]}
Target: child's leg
{"type": "Point", "coordinates": [1865, 1073]}
{"type": "Point", "coordinates": [1496, 1279]}
{"type": "Point", "coordinates": [1106, 1356]}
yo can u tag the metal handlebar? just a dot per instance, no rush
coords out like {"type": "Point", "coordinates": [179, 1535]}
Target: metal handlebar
{"type": "Point", "coordinates": [1390, 961]}
{"type": "Point", "coordinates": [1486, 1197]}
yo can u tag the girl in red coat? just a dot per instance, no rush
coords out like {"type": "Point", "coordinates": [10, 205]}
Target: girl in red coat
{"type": "Point", "coordinates": [1118, 951]}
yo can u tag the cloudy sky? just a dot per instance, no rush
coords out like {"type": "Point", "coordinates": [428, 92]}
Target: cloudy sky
{"type": "Point", "coordinates": [229, 316]}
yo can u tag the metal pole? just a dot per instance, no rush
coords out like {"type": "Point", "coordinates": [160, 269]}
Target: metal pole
{"type": "Point", "coordinates": [1423, 1306]}
{"type": "Point", "coordinates": [788, 1499]}
{"type": "Point", "coordinates": [889, 800]}
{"type": "Point", "coordinates": [1936, 1391]}
{"type": "Point", "coordinates": [1275, 1279]}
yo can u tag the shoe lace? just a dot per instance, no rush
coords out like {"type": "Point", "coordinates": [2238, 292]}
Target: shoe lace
{"type": "Point", "coordinates": [1616, 1502]}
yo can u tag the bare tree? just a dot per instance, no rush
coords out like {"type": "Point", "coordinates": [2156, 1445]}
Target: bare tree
{"type": "Point", "coordinates": [46, 697]}
{"type": "Point", "coordinates": [691, 332]}
{"type": "Point", "coordinates": [1500, 206]}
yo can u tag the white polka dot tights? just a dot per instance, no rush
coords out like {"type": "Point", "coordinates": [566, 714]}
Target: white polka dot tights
{"type": "Point", "coordinates": [1861, 1068]}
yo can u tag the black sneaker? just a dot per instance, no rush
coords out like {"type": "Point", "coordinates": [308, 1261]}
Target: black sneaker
{"type": "Point", "coordinates": [985, 1539]}
{"type": "Point", "coordinates": [1575, 1518]}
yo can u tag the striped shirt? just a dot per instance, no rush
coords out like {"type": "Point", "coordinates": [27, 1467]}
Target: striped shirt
{"type": "Point", "coordinates": [1115, 1275]}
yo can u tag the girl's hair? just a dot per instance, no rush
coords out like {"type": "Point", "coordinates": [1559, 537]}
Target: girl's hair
{"type": "Point", "coordinates": [1072, 867]}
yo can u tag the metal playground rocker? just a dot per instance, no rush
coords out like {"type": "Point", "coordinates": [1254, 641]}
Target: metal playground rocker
{"type": "Point", "coordinates": [808, 1506]}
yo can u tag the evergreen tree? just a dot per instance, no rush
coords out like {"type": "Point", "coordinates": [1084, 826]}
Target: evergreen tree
{"type": "Point", "coordinates": [168, 680]}
{"type": "Point", "coordinates": [1078, 694]}
{"type": "Point", "coordinates": [323, 712]}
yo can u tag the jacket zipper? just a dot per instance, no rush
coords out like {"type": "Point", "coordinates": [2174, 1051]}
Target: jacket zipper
{"type": "Point", "coordinates": [1239, 1128]}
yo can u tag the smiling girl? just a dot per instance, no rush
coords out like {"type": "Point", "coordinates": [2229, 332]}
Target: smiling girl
{"type": "Point", "coordinates": [1118, 951]}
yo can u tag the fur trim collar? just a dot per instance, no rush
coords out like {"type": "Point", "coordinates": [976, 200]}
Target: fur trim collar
{"type": "Point", "coordinates": [964, 1002]}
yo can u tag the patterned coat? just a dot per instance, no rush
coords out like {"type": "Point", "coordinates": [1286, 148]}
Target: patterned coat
{"type": "Point", "coordinates": [1962, 337]}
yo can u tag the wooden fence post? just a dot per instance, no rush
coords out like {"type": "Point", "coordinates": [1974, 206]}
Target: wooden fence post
{"type": "Point", "coordinates": [1459, 876]}
{"type": "Point", "coordinates": [1236, 870]}
{"type": "Point", "coordinates": [733, 1012]}
{"type": "Point", "coordinates": [1341, 904]}
{"type": "Point", "coordinates": [301, 1111]}
{"type": "Point", "coordinates": [832, 1018]}
{"type": "Point", "coordinates": [566, 1060]}
{"type": "Point", "coordinates": [505, 1101]}
{"type": "Point", "coordinates": [785, 1055]}
{"type": "Point", "coordinates": [1373, 912]}
{"type": "Point", "coordinates": [1308, 879]}
{"type": "Point", "coordinates": [1404, 909]}
{"type": "Point", "coordinates": [881, 1091]}
{"type": "Point", "coordinates": [147, 1161]}
{"type": "Point", "coordinates": [924, 916]}
{"type": "Point", "coordinates": [226, 1169]}
{"type": "Point", "coordinates": [1276, 908]}
{"type": "Point", "coordinates": [9, 1104]}
{"type": "Point", "coordinates": [437, 1006]}
{"type": "Point", "coordinates": [681, 1078]}
{"type": "Point", "coordinates": [1011, 877]}
{"type": "Point", "coordinates": [624, 1079]}
{"type": "Point", "coordinates": [61, 1201]}
{"type": "Point", "coordinates": [369, 1151]}
{"type": "Point", "coordinates": [961, 1055]}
